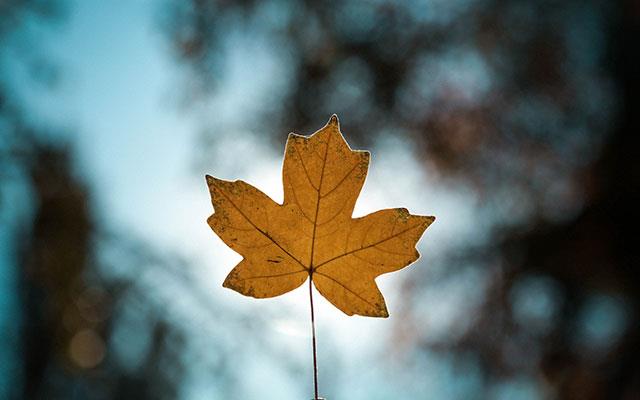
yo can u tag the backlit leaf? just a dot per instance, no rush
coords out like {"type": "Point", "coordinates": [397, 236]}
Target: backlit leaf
{"type": "Point", "coordinates": [312, 234]}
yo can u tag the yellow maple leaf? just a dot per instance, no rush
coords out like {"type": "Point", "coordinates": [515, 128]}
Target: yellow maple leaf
{"type": "Point", "coordinates": [312, 234]}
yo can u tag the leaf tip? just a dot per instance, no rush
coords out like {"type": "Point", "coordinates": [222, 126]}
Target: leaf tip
{"type": "Point", "coordinates": [427, 220]}
{"type": "Point", "coordinates": [228, 282]}
{"type": "Point", "coordinates": [381, 312]}
{"type": "Point", "coordinates": [210, 220]}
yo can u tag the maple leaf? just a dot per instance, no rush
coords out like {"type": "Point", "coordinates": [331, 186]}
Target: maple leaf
{"type": "Point", "coordinates": [312, 235]}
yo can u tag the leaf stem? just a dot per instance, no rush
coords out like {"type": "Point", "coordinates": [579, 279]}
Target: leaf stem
{"type": "Point", "coordinates": [313, 339]}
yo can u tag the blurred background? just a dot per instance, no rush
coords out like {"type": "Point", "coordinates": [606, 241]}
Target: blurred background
{"type": "Point", "coordinates": [510, 120]}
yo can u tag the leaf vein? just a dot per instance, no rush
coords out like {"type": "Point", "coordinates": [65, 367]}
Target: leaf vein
{"type": "Point", "coordinates": [340, 182]}
{"type": "Point", "coordinates": [315, 222]}
{"type": "Point", "coordinates": [295, 200]}
{"type": "Point", "coordinates": [260, 230]}
{"type": "Point", "coordinates": [304, 167]}
{"type": "Point", "coordinates": [347, 289]}
{"type": "Point", "coordinates": [365, 247]}
{"type": "Point", "coordinates": [271, 276]}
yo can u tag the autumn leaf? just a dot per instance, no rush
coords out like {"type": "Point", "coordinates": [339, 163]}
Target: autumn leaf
{"type": "Point", "coordinates": [312, 234]}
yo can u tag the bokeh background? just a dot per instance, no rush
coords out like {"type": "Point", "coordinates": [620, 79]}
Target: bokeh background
{"type": "Point", "coordinates": [510, 120]}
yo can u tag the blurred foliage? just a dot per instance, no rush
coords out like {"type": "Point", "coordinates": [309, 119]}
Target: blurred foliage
{"type": "Point", "coordinates": [97, 315]}
{"type": "Point", "coordinates": [86, 324]}
{"type": "Point", "coordinates": [507, 95]}
{"type": "Point", "coordinates": [526, 102]}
